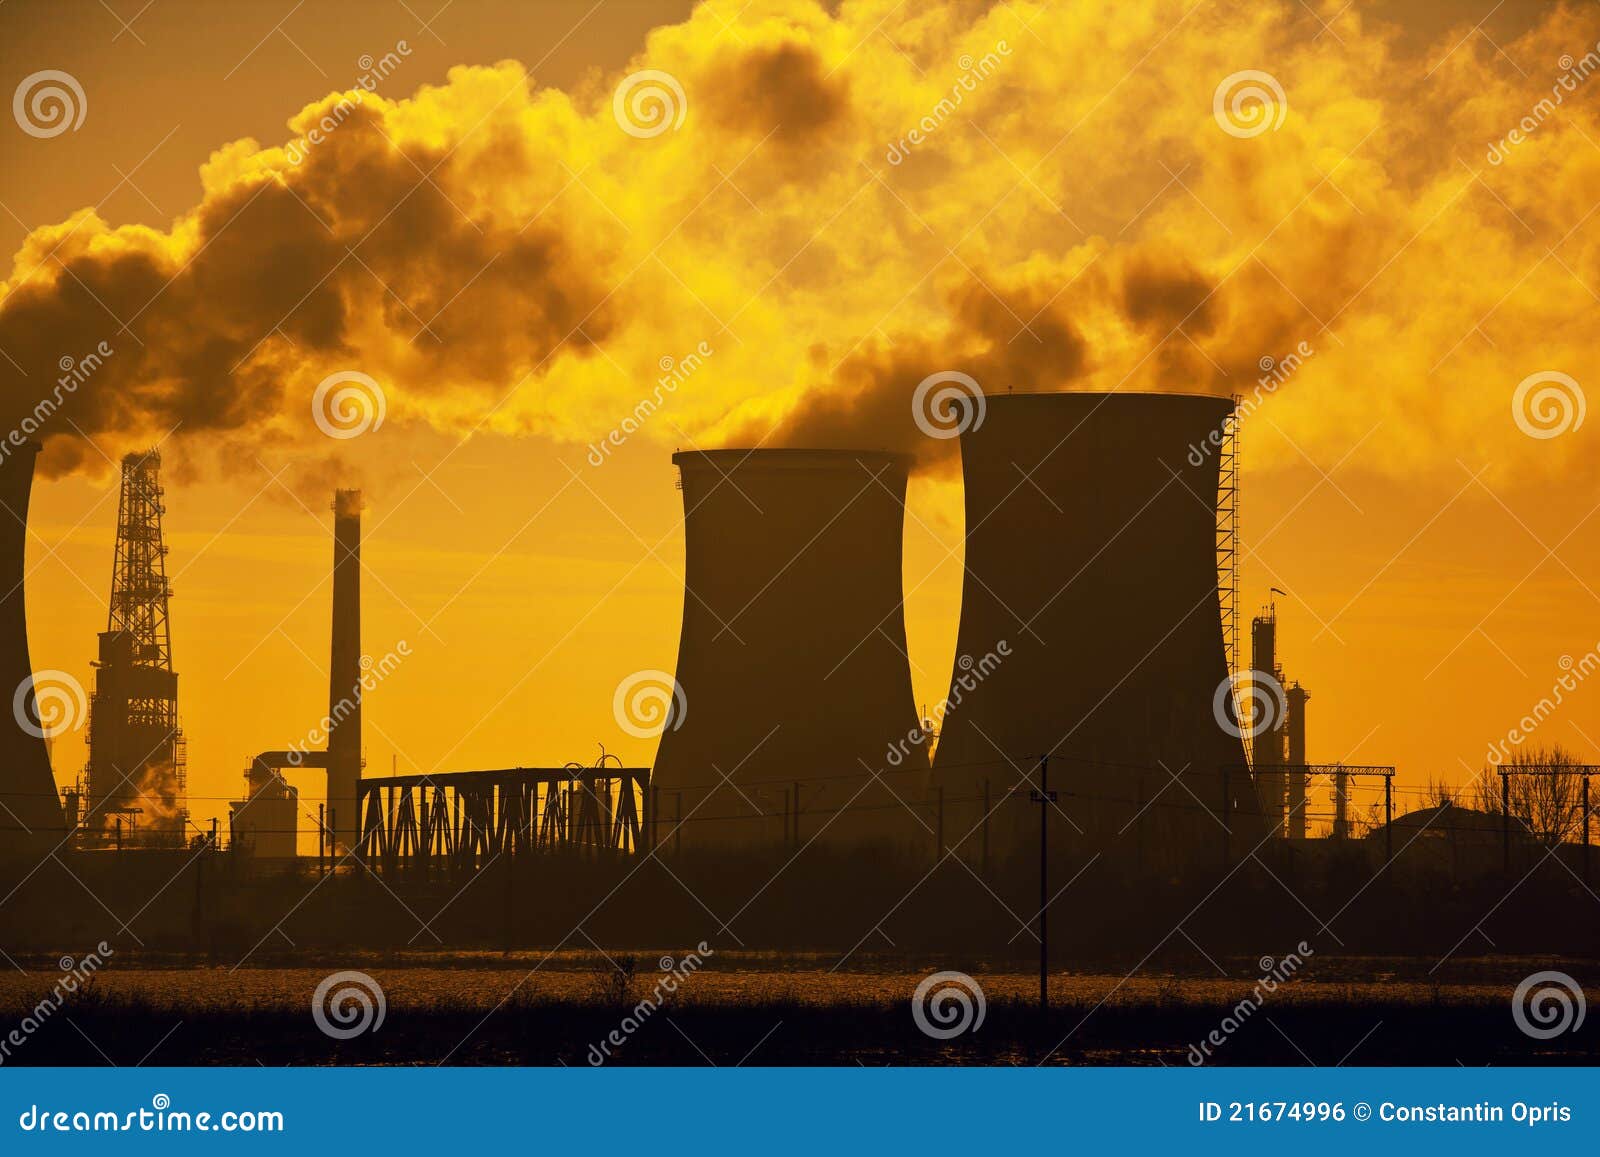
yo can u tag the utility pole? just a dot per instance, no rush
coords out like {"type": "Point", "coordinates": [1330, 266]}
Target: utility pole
{"type": "Point", "coordinates": [1586, 827]}
{"type": "Point", "coordinates": [1505, 819]}
{"type": "Point", "coordinates": [1046, 799]}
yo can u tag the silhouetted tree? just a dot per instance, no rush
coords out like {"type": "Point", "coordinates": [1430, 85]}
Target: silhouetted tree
{"type": "Point", "coordinates": [1545, 790]}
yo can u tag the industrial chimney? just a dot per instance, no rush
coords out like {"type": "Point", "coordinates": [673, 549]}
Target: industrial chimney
{"type": "Point", "coordinates": [1091, 553]}
{"type": "Point", "coordinates": [344, 670]}
{"type": "Point", "coordinates": [792, 680]}
{"type": "Point", "coordinates": [30, 820]}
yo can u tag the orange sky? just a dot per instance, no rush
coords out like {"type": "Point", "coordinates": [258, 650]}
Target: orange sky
{"type": "Point", "coordinates": [1082, 220]}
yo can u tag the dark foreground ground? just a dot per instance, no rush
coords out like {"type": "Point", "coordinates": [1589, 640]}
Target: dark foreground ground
{"type": "Point", "coordinates": [779, 1011]}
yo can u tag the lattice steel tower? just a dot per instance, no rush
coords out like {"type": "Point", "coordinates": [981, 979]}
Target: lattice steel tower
{"type": "Point", "coordinates": [136, 772]}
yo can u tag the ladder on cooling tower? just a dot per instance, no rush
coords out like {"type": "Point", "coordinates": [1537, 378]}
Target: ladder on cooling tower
{"type": "Point", "coordinates": [1228, 533]}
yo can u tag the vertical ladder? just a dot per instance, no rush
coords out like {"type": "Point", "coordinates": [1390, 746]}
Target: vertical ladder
{"type": "Point", "coordinates": [1228, 534]}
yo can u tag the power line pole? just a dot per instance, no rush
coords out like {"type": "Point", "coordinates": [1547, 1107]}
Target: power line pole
{"type": "Point", "coordinates": [1046, 799]}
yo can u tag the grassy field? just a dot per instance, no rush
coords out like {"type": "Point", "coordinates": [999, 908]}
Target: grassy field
{"type": "Point", "coordinates": [571, 1008]}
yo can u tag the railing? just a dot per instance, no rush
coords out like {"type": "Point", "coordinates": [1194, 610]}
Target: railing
{"type": "Point", "coordinates": [467, 819]}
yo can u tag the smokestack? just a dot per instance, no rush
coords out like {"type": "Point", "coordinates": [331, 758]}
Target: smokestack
{"type": "Point", "coordinates": [1295, 698]}
{"type": "Point", "coordinates": [1091, 554]}
{"type": "Point", "coordinates": [344, 669]}
{"type": "Point", "coordinates": [1266, 739]}
{"type": "Point", "coordinates": [792, 679]}
{"type": "Point", "coordinates": [30, 818]}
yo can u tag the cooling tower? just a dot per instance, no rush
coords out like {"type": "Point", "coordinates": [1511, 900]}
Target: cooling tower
{"type": "Point", "coordinates": [1090, 625]}
{"type": "Point", "coordinates": [30, 818]}
{"type": "Point", "coordinates": [344, 669]}
{"type": "Point", "coordinates": [792, 675]}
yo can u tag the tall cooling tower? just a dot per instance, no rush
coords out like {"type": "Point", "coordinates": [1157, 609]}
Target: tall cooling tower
{"type": "Point", "coordinates": [30, 818]}
{"type": "Point", "coordinates": [344, 669]}
{"type": "Point", "coordinates": [1091, 554]}
{"type": "Point", "coordinates": [792, 671]}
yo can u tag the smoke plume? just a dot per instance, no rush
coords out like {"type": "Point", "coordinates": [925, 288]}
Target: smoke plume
{"type": "Point", "coordinates": [841, 203]}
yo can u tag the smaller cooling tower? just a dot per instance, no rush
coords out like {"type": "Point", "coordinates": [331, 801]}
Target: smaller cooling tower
{"type": "Point", "coordinates": [792, 669]}
{"type": "Point", "coordinates": [1091, 627]}
{"type": "Point", "coordinates": [30, 818]}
